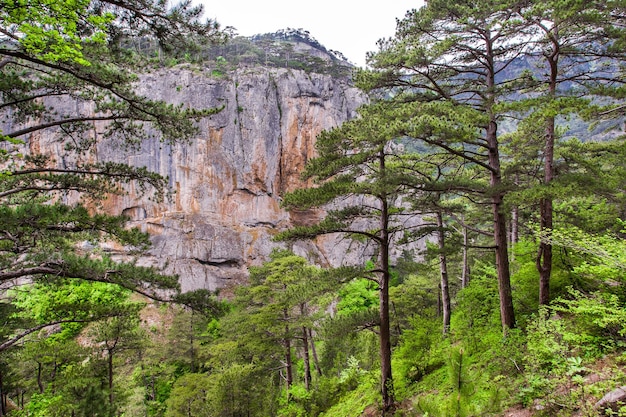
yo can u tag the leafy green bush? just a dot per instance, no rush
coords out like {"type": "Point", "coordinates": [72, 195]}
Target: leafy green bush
{"type": "Point", "coordinates": [477, 313]}
{"type": "Point", "coordinates": [598, 321]}
{"type": "Point", "coordinates": [419, 351]}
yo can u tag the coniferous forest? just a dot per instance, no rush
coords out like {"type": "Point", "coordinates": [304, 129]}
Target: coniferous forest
{"type": "Point", "coordinates": [494, 133]}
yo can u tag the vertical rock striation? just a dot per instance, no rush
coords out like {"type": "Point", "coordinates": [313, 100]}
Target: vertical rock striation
{"type": "Point", "coordinates": [228, 181]}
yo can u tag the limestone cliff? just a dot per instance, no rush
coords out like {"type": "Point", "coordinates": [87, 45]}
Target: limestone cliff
{"type": "Point", "coordinates": [228, 181]}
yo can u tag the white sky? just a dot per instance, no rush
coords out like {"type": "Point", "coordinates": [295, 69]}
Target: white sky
{"type": "Point", "coordinates": [351, 27]}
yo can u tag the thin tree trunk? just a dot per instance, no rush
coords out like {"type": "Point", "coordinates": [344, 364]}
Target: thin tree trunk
{"type": "Point", "coordinates": [465, 274]}
{"type": "Point", "coordinates": [39, 381]}
{"type": "Point", "coordinates": [3, 405]}
{"type": "Point", "coordinates": [443, 269]}
{"type": "Point", "coordinates": [305, 350]}
{"type": "Point", "coordinates": [288, 363]}
{"type": "Point", "coordinates": [307, 360]}
{"type": "Point", "coordinates": [544, 255]}
{"type": "Point", "coordinates": [384, 331]}
{"type": "Point", "coordinates": [507, 315]}
{"type": "Point", "coordinates": [288, 367]}
{"type": "Point", "coordinates": [192, 353]}
{"type": "Point", "coordinates": [439, 307]}
{"type": "Point", "coordinates": [515, 218]}
{"type": "Point", "coordinates": [459, 384]}
{"type": "Point", "coordinates": [514, 225]}
{"type": "Point", "coordinates": [110, 376]}
{"type": "Point", "coordinates": [395, 314]}
{"type": "Point", "coordinates": [316, 361]}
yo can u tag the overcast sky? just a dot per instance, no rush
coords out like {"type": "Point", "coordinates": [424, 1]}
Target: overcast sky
{"type": "Point", "coordinates": [351, 27]}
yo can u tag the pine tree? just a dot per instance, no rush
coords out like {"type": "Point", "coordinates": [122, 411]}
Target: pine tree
{"type": "Point", "coordinates": [447, 68]}
{"type": "Point", "coordinates": [51, 54]}
{"type": "Point", "coordinates": [574, 43]}
{"type": "Point", "coordinates": [56, 52]}
{"type": "Point", "coordinates": [360, 175]}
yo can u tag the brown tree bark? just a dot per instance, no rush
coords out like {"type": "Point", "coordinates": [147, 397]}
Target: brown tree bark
{"type": "Point", "coordinates": [3, 406]}
{"type": "Point", "coordinates": [443, 269]}
{"type": "Point", "coordinates": [544, 255]}
{"type": "Point", "coordinates": [316, 360]}
{"type": "Point", "coordinates": [305, 350]}
{"type": "Point", "coordinates": [288, 362]}
{"type": "Point", "coordinates": [110, 376]}
{"type": "Point", "coordinates": [306, 358]}
{"type": "Point", "coordinates": [507, 315]}
{"type": "Point", "coordinates": [39, 380]}
{"type": "Point", "coordinates": [465, 274]}
{"type": "Point", "coordinates": [385, 327]}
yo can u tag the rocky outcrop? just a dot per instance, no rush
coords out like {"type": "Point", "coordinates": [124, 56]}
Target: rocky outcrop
{"type": "Point", "coordinates": [228, 181]}
{"type": "Point", "coordinates": [613, 401]}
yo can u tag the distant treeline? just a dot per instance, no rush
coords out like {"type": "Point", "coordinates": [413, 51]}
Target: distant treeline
{"type": "Point", "coordinates": [278, 49]}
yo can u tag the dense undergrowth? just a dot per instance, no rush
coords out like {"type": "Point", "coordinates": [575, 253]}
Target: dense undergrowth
{"type": "Point", "coordinates": [559, 361]}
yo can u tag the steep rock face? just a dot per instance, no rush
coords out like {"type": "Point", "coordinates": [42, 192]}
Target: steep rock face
{"type": "Point", "coordinates": [229, 180]}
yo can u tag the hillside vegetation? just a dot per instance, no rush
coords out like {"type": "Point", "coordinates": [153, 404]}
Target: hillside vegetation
{"type": "Point", "coordinates": [515, 306]}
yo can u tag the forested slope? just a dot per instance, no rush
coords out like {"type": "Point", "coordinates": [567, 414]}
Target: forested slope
{"type": "Point", "coordinates": [454, 250]}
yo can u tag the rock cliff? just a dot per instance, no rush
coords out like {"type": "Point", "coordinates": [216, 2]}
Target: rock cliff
{"type": "Point", "coordinates": [229, 180]}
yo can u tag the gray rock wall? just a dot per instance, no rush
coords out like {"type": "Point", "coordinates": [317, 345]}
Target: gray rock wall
{"type": "Point", "coordinates": [229, 180]}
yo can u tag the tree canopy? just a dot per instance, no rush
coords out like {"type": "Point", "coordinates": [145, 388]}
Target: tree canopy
{"type": "Point", "coordinates": [51, 227]}
{"type": "Point", "coordinates": [483, 185]}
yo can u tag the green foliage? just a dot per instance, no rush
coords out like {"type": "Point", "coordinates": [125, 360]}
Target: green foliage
{"type": "Point", "coordinates": [605, 254]}
{"type": "Point", "coordinates": [435, 101]}
{"type": "Point", "coordinates": [56, 30]}
{"type": "Point", "coordinates": [419, 352]}
{"type": "Point", "coordinates": [547, 344]}
{"type": "Point", "coordinates": [357, 295]}
{"type": "Point", "coordinates": [58, 283]}
{"type": "Point", "coordinates": [189, 396]}
{"type": "Point", "coordinates": [477, 312]}
{"type": "Point", "coordinates": [43, 302]}
{"type": "Point", "coordinates": [598, 321]}
{"type": "Point", "coordinates": [354, 403]}
{"type": "Point", "coordinates": [42, 405]}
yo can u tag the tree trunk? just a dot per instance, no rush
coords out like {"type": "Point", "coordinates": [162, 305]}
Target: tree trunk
{"type": "Point", "coordinates": [110, 376]}
{"type": "Point", "coordinates": [192, 353]}
{"type": "Point", "coordinates": [153, 388]}
{"type": "Point", "coordinates": [3, 406]}
{"type": "Point", "coordinates": [544, 255]}
{"type": "Point", "coordinates": [288, 363]}
{"type": "Point", "coordinates": [305, 350]}
{"type": "Point", "coordinates": [507, 316]}
{"type": "Point", "coordinates": [514, 225]}
{"type": "Point", "coordinates": [385, 333]}
{"type": "Point", "coordinates": [39, 381]}
{"type": "Point", "coordinates": [306, 358]}
{"type": "Point", "coordinates": [316, 361]}
{"type": "Point", "coordinates": [465, 275]}
{"type": "Point", "coordinates": [385, 346]}
{"type": "Point", "coordinates": [515, 218]}
{"type": "Point", "coordinates": [439, 308]}
{"type": "Point", "coordinates": [443, 269]}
